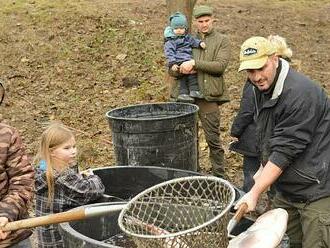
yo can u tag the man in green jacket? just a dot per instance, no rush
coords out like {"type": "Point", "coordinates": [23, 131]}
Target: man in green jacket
{"type": "Point", "coordinates": [210, 64]}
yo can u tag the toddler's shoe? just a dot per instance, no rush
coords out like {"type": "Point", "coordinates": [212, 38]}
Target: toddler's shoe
{"type": "Point", "coordinates": [185, 98]}
{"type": "Point", "coordinates": [196, 94]}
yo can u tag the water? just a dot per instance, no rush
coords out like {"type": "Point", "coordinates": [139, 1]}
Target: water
{"type": "Point", "coordinates": [121, 240]}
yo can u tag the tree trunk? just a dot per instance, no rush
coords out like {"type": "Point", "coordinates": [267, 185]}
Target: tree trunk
{"type": "Point", "coordinates": [184, 6]}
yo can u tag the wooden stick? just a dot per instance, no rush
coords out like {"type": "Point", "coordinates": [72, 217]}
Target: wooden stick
{"type": "Point", "coordinates": [72, 215]}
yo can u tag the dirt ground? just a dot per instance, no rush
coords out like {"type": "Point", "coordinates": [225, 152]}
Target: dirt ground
{"type": "Point", "coordinates": [75, 60]}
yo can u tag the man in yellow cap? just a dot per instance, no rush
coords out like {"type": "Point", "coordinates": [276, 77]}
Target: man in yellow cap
{"type": "Point", "coordinates": [293, 133]}
{"type": "Point", "coordinates": [210, 64]}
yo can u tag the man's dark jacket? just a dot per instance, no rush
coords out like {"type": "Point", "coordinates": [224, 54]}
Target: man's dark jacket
{"type": "Point", "coordinates": [294, 133]}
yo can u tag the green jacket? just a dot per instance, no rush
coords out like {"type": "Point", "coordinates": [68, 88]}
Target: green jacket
{"type": "Point", "coordinates": [211, 64]}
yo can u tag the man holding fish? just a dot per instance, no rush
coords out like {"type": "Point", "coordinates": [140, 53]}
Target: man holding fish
{"type": "Point", "coordinates": [293, 131]}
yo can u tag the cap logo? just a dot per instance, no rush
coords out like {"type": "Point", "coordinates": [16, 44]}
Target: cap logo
{"type": "Point", "coordinates": [250, 51]}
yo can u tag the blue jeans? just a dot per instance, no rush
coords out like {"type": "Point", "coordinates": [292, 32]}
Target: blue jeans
{"type": "Point", "coordinates": [26, 243]}
{"type": "Point", "coordinates": [250, 167]}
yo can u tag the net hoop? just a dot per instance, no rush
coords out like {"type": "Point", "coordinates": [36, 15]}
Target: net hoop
{"type": "Point", "coordinates": [184, 232]}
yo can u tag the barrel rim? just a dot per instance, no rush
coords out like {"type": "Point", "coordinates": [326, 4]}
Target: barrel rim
{"type": "Point", "coordinates": [108, 114]}
{"type": "Point", "coordinates": [147, 167]}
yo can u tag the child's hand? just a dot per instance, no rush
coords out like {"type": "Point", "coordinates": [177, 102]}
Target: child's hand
{"type": "Point", "coordinates": [87, 172]}
{"type": "Point", "coordinates": [175, 67]}
{"type": "Point", "coordinates": [202, 45]}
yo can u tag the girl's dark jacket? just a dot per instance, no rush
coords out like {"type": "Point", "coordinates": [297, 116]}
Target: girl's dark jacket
{"type": "Point", "coordinates": [71, 189]}
{"type": "Point", "coordinates": [293, 128]}
{"type": "Point", "coordinates": [244, 125]}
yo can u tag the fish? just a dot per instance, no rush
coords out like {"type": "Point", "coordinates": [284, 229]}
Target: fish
{"type": "Point", "coordinates": [266, 232]}
{"type": "Point", "coordinates": [172, 242]}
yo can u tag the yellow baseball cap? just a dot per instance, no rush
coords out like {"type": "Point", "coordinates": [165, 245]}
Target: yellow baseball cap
{"type": "Point", "coordinates": [254, 53]}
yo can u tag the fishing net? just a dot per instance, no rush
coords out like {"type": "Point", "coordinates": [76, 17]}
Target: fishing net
{"type": "Point", "coordinates": [186, 212]}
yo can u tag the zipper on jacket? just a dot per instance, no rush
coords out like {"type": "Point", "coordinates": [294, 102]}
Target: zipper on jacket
{"type": "Point", "coordinates": [306, 176]}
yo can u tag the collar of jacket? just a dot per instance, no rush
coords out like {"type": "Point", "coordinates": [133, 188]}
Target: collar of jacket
{"type": "Point", "coordinates": [280, 80]}
{"type": "Point", "coordinates": [279, 84]}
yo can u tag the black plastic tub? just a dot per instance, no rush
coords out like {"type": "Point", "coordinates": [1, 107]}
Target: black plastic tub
{"type": "Point", "coordinates": [157, 134]}
{"type": "Point", "coordinates": [122, 183]}
{"type": "Point", "coordinates": [104, 232]}
{"type": "Point", "coordinates": [94, 232]}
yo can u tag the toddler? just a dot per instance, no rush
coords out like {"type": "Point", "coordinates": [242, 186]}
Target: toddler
{"type": "Point", "coordinates": [178, 49]}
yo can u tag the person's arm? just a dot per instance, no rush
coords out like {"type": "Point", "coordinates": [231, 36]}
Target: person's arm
{"type": "Point", "coordinates": [194, 42]}
{"type": "Point", "coordinates": [169, 51]}
{"type": "Point", "coordinates": [219, 64]}
{"type": "Point", "coordinates": [268, 176]}
{"type": "Point", "coordinates": [15, 203]}
{"type": "Point", "coordinates": [245, 115]}
{"type": "Point", "coordinates": [82, 189]}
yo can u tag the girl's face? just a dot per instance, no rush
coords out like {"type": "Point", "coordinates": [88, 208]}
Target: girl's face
{"type": "Point", "coordinates": [65, 154]}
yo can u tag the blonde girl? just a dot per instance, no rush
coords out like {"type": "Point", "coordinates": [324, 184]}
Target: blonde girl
{"type": "Point", "coordinates": [59, 185]}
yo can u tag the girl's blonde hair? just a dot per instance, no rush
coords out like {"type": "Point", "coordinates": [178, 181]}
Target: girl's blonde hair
{"type": "Point", "coordinates": [281, 47]}
{"type": "Point", "coordinates": [55, 135]}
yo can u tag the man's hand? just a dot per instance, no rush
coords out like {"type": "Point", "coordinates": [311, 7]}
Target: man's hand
{"type": "Point", "coordinates": [267, 176]}
{"type": "Point", "coordinates": [3, 222]}
{"type": "Point", "coordinates": [187, 67]}
{"type": "Point", "coordinates": [250, 199]}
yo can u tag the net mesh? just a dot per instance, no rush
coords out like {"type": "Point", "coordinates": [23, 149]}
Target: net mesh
{"type": "Point", "coordinates": [181, 213]}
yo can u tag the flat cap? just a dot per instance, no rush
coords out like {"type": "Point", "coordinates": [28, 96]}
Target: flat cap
{"type": "Point", "coordinates": [202, 10]}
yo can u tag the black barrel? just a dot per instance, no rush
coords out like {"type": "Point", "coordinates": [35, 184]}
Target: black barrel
{"type": "Point", "coordinates": [104, 232]}
{"type": "Point", "coordinates": [122, 183]}
{"type": "Point", "coordinates": [125, 182]}
{"type": "Point", "coordinates": [157, 134]}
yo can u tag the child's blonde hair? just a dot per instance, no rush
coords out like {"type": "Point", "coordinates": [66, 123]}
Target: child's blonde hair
{"type": "Point", "coordinates": [55, 135]}
{"type": "Point", "coordinates": [281, 47]}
